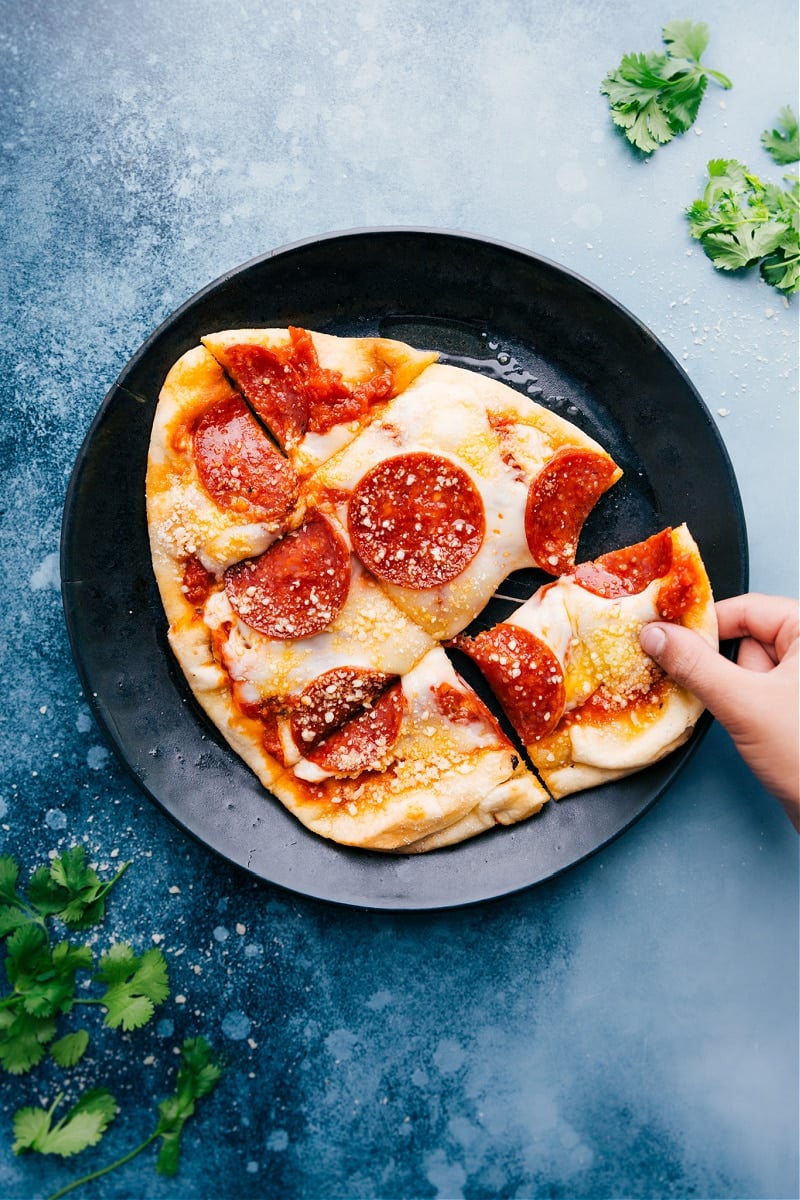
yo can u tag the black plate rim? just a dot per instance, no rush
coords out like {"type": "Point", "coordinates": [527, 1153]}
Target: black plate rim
{"type": "Point", "coordinates": [104, 718]}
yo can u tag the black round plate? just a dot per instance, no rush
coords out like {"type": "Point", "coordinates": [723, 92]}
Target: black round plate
{"type": "Point", "coordinates": [498, 309]}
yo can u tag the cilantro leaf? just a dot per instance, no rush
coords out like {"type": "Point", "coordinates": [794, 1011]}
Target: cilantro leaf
{"type": "Point", "coordinates": [72, 890]}
{"type": "Point", "coordinates": [9, 874]}
{"type": "Point", "coordinates": [686, 40]}
{"type": "Point", "coordinates": [655, 96]}
{"type": "Point", "coordinates": [14, 912]}
{"type": "Point", "coordinates": [43, 986]}
{"type": "Point", "coordinates": [135, 985]}
{"type": "Point", "coordinates": [67, 889]}
{"type": "Point", "coordinates": [198, 1075]}
{"type": "Point", "coordinates": [70, 1049]}
{"type": "Point", "coordinates": [741, 221]}
{"type": "Point", "coordinates": [23, 1039]}
{"type": "Point", "coordinates": [82, 1126]}
{"type": "Point", "coordinates": [783, 143]}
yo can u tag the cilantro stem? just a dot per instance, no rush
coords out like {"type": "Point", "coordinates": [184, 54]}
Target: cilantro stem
{"type": "Point", "coordinates": [120, 1162]}
{"type": "Point", "coordinates": [101, 895]}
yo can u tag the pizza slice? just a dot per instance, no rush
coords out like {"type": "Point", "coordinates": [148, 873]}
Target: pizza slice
{"type": "Point", "coordinates": [458, 481]}
{"type": "Point", "coordinates": [314, 391]}
{"type": "Point", "coordinates": [409, 764]}
{"type": "Point", "coordinates": [217, 488]}
{"type": "Point", "coordinates": [251, 637]}
{"type": "Point", "coordinates": [568, 670]}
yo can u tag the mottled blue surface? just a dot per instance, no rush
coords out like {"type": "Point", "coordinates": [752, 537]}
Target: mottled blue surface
{"type": "Point", "coordinates": [628, 1030]}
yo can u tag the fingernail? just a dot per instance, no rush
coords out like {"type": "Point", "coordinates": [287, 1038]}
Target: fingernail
{"type": "Point", "coordinates": [652, 640]}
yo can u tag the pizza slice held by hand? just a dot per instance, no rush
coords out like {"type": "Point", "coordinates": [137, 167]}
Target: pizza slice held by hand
{"type": "Point", "coordinates": [568, 670]}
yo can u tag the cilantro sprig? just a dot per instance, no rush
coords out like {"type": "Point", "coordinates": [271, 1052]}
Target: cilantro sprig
{"type": "Point", "coordinates": [43, 979]}
{"type": "Point", "coordinates": [69, 890]}
{"type": "Point", "coordinates": [656, 95]}
{"type": "Point", "coordinates": [783, 143]}
{"type": "Point", "coordinates": [84, 1124]}
{"type": "Point", "coordinates": [43, 975]}
{"type": "Point", "coordinates": [741, 221]}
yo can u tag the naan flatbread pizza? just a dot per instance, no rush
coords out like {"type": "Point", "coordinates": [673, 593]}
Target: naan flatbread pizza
{"type": "Point", "coordinates": [327, 514]}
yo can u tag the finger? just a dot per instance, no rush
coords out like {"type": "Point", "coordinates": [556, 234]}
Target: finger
{"type": "Point", "coordinates": [698, 667]}
{"type": "Point", "coordinates": [755, 615]}
{"type": "Point", "coordinates": [752, 656]}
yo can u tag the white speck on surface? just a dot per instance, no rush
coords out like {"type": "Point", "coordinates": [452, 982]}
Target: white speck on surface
{"type": "Point", "coordinates": [340, 1043]}
{"type": "Point", "coordinates": [447, 1177]}
{"type": "Point", "coordinates": [97, 757]}
{"type": "Point", "coordinates": [236, 1026]}
{"type": "Point", "coordinates": [277, 1139]}
{"type": "Point", "coordinates": [47, 574]}
{"type": "Point", "coordinates": [448, 1056]}
{"type": "Point", "coordinates": [55, 818]}
{"type": "Point", "coordinates": [221, 934]}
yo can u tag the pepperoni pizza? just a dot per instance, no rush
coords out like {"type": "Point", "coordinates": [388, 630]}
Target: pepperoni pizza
{"type": "Point", "coordinates": [324, 513]}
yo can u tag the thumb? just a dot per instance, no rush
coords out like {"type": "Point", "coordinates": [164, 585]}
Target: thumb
{"type": "Point", "coordinates": [690, 661]}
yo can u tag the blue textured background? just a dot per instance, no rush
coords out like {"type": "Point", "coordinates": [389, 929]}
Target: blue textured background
{"type": "Point", "coordinates": [628, 1030]}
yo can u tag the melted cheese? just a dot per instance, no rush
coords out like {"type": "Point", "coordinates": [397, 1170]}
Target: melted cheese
{"type": "Point", "coordinates": [443, 412]}
{"type": "Point", "coordinates": [369, 632]}
{"type": "Point", "coordinates": [596, 639]}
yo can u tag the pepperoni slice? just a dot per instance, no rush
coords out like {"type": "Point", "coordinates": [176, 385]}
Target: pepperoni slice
{"type": "Point", "coordinates": [524, 674]}
{"type": "Point", "coordinates": [275, 389]}
{"type": "Point", "coordinates": [238, 464]}
{"type": "Point", "coordinates": [331, 699]}
{"type": "Point", "coordinates": [685, 587]}
{"type": "Point", "coordinates": [626, 572]}
{"type": "Point", "coordinates": [296, 587]}
{"type": "Point", "coordinates": [416, 520]}
{"type": "Point", "coordinates": [560, 499]}
{"type": "Point", "coordinates": [362, 741]}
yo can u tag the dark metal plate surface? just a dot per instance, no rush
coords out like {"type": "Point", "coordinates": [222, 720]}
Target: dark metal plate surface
{"type": "Point", "coordinates": [486, 305]}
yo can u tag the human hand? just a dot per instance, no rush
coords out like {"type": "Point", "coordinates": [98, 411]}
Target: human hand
{"type": "Point", "coordinates": [756, 699]}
